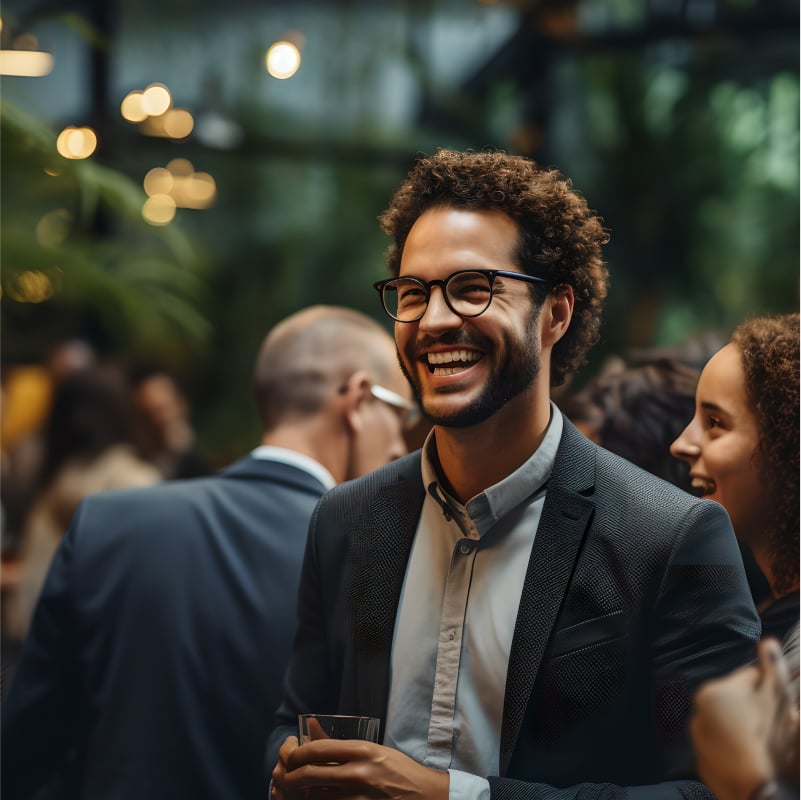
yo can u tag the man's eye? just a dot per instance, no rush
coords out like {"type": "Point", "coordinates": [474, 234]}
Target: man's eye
{"type": "Point", "coordinates": [410, 294]}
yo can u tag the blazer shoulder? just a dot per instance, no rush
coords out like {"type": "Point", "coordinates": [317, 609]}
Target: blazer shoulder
{"type": "Point", "coordinates": [404, 471]}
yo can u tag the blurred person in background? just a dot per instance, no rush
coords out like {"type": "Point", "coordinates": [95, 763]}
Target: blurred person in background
{"type": "Point", "coordinates": [89, 445]}
{"type": "Point", "coordinates": [636, 407]}
{"type": "Point", "coordinates": [168, 438]}
{"type": "Point", "coordinates": [742, 447]}
{"type": "Point", "coordinates": [155, 660]}
{"type": "Point", "coordinates": [28, 391]}
{"type": "Point", "coordinates": [637, 411]}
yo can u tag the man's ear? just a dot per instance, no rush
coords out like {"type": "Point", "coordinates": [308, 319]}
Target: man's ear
{"type": "Point", "coordinates": [557, 312]}
{"type": "Point", "coordinates": [353, 393]}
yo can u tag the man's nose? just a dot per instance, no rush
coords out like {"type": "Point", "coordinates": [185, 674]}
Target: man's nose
{"type": "Point", "coordinates": [438, 313]}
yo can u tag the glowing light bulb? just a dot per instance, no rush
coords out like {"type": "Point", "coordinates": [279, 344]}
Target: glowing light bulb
{"type": "Point", "coordinates": [156, 99]}
{"type": "Point", "coordinates": [283, 60]}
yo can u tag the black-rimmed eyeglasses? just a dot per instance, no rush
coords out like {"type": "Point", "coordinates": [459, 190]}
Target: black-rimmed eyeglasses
{"type": "Point", "coordinates": [467, 292]}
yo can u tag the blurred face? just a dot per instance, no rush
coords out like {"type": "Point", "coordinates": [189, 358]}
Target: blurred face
{"type": "Point", "coordinates": [721, 445]}
{"type": "Point", "coordinates": [160, 401]}
{"type": "Point", "coordinates": [464, 370]}
{"type": "Point", "coordinates": [379, 438]}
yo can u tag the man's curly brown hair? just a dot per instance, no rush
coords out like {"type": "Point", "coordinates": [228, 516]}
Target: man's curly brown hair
{"type": "Point", "coordinates": [769, 347]}
{"type": "Point", "coordinates": [561, 238]}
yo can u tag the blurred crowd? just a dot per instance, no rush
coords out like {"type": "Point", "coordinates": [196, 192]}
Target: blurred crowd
{"type": "Point", "coordinates": [74, 425]}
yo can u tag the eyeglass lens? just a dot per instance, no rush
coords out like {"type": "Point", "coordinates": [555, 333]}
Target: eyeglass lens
{"type": "Point", "coordinates": [467, 294]}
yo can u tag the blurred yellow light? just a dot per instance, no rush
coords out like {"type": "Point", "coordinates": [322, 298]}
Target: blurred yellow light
{"type": "Point", "coordinates": [153, 126]}
{"type": "Point", "coordinates": [194, 191]}
{"type": "Point", "coordinates": [156, 99]}
{"type": "Point", "coordinates": [53, 228]}
{"type": "Point", "coordinates": [31, 287]}
{"type": "Point", "coordinates": [181, 166]}
{"type": "Point", "coordinates": [131, 107]}
{"type": "Point", "coordinates": [76, 143]}
{"type": "Point", "coordinates": [158, 181]}
{"type": "Point", "coordinates": [283, 60]}
{"type": "Point", "coordinates": [178, 123]}
{"type": "Point", "coordinates": [203, 188]}
{"type": "Point", "coordinates": [159, 209]}
{"type": "Point", "coordinates": [25, 63]}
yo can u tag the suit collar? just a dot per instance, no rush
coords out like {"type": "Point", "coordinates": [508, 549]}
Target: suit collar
{"type": "Point", "coordinates": [264, 469]}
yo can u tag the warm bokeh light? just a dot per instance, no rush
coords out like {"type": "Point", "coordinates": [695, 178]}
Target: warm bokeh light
{"type": "Point", "coordinates": [159, 209]}
{"type": "Point", "coordinates": [76, 143]}
{"type": "Point", "coordinates": [283, 60]}
{"type": "Point", "coordinates": [181, 166]}
{"type": "Point", "coordinates": [181, 184]}
{"type": "Point", "coordinates": [131, 107]}
{"type": "Point", "coordinates": [194, 191]}
{"type": "Point", "coordinates": [178, 123]}
{"type": "Point", "coordinates": [158, 181]}
{"type": "Point", "coordinates": [156, 99]}
{"type": "Point", "coordinates": [53, 228]}
{"type": "Point", "coordinates": [25, 63]}
{"type": "Point", "coordinates": [31, 286]}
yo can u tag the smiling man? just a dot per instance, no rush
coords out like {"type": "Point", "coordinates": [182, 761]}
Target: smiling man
{"type": "Point", "coordinates": [528, 614]}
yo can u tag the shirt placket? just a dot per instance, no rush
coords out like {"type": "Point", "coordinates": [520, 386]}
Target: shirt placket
{"type": "Point", "coordinates": [442, 729]}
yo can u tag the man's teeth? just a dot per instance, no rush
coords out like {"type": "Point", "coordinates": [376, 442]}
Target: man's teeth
{"type": "Point", "coordinates": [451, 361]}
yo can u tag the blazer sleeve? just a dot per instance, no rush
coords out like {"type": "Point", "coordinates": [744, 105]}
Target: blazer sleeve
{"type": "Point", "coordinates": [702, 623]}
{"type": "Point", "coordinates": [41, 713]}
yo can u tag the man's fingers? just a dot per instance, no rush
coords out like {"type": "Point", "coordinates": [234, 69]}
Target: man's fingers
{"type": "Point", "coordinates": [331, 751]}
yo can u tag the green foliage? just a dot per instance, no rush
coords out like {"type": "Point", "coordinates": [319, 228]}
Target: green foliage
{"type": "Point", "coordinates": [74, 242]}
{"type": "Point", "coordinates": [696, 175]}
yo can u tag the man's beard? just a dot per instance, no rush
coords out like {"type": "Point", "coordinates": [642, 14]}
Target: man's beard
{"type": "Point", "coordinates": [514, 376]}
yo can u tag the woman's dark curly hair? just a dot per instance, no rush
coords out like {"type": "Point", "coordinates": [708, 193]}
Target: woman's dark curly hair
{"type": "Point", "coordinates": [769, 347]}
{"type": "Point", "coordinates": [560, 237]}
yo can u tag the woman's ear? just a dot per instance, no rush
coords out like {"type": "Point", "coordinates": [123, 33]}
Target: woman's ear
{"type": "Point", "coordinates": [557, 314]}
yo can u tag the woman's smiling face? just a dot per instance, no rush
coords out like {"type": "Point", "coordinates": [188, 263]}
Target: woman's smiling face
{"type": "Point", "coordinates": [721, 444]}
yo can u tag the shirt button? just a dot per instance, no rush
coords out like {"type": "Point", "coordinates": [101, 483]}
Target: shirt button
{"type": "Point", "coordinates": [465, 548]}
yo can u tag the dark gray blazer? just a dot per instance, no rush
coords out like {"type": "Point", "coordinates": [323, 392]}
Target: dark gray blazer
{"type": "Point", "coordinates": [154, 663]}
{"type": "Point", "coordinates": [635, 593]}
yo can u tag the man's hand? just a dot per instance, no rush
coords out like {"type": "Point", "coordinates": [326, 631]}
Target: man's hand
{"type": "Point", "coordinates": [745, 727]}
{"type": "Point", "coordinates": [349, 768]}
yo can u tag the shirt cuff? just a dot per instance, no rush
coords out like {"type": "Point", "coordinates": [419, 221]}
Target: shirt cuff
{"type": "Point", "coordinates": [464, 786]}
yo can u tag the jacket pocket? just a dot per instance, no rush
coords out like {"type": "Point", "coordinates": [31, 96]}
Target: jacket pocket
{"type": "Point", "coordinates": [588, 634]}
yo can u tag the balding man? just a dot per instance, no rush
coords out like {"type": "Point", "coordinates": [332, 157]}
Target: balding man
{"type": "Point", "coordinates": [157, 650]}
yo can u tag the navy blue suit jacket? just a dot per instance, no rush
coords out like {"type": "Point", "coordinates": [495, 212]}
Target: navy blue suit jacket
{"type": "Point", "coordinates": [635, 593]}
{"type": "Point", "coordinates": [155, 658]}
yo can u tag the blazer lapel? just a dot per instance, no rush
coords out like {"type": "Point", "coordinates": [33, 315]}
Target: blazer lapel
{"type": "Point", "coordinates": [380, 547]}
{"type": "Point", "coordinates": [565, 519]}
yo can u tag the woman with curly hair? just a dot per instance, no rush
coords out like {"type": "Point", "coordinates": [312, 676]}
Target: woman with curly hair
{"type": "Point", "coordinates": [742, 446]}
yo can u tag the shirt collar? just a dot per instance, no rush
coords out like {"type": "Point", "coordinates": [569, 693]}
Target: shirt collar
{"type": "Point", "coordinates": [487, 508]}
{"type": "Point", "coordinates": [295, 459]}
